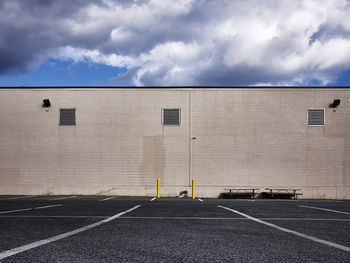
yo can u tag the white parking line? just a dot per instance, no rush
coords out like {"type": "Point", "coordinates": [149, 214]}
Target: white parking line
{"type": "Point", "coordinates": [62, 198]}
{"type": "Point", "coordinates": [324, 209]}
{"type": "Point", "coordinates": [233, 218]}
{"type": "Point", "coordinates": [47, 206]}
{"type": "Point", "coordinates": [307, 219]}
{"type": "Point", "coordinates": [180, 218]}
{"type": "Point", "coordinates": [108, 198]}
{"type": "Point", "coordinates": [153, 199]}
{"type": "Point", "coordinates": [325, 242]}
{"type": "Point", "coordinates": [11, 252]}
{"type": "Point", "coordinates": [18, 197]}
{"type": "Point", "coordinates": [200, 199]}
{"type": "Point", "coordinates": [27, 209]}
{"type": "Point", "coordinates": [17, 210]}
{"type": "Point", "coordinates": [48, 216]}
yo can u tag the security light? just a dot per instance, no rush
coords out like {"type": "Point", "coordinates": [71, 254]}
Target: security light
{"type": "Point", "coordinates": [46, 103]}
{"type": "Point", "coordinates": [335, 103]}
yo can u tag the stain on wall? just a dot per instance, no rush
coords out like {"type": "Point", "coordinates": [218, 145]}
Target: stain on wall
{"type": "Point", "coordinates": [153, 164]}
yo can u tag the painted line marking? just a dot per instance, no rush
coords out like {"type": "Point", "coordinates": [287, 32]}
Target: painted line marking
{"type": "Point", "coordinates": [182, 218]}
{"type": "Point", "coordinates": [108, 198]}
{"type": "Point", "coordinates": [179, 218]}
{"type": "Point", "coordinates": [62, 198]}
{"type": "Point", "coordinates": [17, 210]}
{"type": "Point", "coordinates": [18, 197]}
{"type": "Point", "coordinates": [325, 209]}
{"type": "Point", "coordinates": [200, 199]}
{"type": "Point", "coordinates": [48, 216]}
{"type": "Point", "coordinates": [325, 242]}
{"type": "Point", "coordinates": [307, 219]}
{"type": "Point", "coordinates": [262, 200]}
{"type": "Point", "coordinates": [28, 209]}
{"type": "Point", "coordinates": [153, 199]}
{"type": "Point", "coordinates": [234, 218]}
{"type": "Point", "coordinates": [14, 251]}
{"type": "Point", "coordinates": [47, 206]}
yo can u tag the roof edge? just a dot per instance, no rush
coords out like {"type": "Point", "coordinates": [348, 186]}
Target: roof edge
{"type": "Point", "coordinates": [175, 87]}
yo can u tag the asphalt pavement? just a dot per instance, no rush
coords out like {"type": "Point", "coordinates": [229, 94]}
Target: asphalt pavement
{"type": "Point", "coordinates": [144, 229]}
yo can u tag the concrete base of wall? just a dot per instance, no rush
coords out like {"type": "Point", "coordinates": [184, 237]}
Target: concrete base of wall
{"type": "Point", "coordinates": [314, 192]}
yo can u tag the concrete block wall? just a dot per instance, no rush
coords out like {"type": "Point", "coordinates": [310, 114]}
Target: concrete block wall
{"type": "Point", "coordinates": [260, 138]}
{"type": "Point", "coordinates": [228, 137]}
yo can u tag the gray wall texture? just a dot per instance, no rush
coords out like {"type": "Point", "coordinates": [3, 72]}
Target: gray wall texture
{"type": "Point", "coordinates": [228, 137]}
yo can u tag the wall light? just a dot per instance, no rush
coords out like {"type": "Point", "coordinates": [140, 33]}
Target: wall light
{"type": "Point", "coordinates": [46, 103]}
{"type": "Point", "coordinates": [335, 103]}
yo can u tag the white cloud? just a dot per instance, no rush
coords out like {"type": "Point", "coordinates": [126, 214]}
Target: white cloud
{"type": "Point", "coordinates": [202, 42]}
{"type": "Point", "coordinates": [332, 54]}
{"type": "Point", "coordinates": [81, 55]}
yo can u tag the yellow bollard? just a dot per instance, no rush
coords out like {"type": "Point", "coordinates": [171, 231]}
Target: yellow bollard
{"type": "Point", "coordinates": [158, 186]}
{"type": "Point", "coordinates": [193, 189]}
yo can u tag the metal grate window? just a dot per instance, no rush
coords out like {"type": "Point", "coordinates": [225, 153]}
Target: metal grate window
{"type": "Point", "coordinates": [316, 117]}
{"type": "Point", "coordinates": [171, 116]}
{"type": "Point", "coordinates": [67, 116]}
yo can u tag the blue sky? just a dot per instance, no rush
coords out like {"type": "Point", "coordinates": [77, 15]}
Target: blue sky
{"type": "Point", "coordinates": [343, 79]}
{"type": "Point", "coordinates": [182, 43]}
{"type": "Point", "coordinates": [68, 73]}
{"type": "Point", "coordinates": [65, 73]}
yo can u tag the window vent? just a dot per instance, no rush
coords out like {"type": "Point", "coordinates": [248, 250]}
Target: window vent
{"type": "Point", "coordinates": [316, 117]}
{"type": "Point", "coordinates": [171, 116]}
{"type": "Point", "coordinates": [67, 116]}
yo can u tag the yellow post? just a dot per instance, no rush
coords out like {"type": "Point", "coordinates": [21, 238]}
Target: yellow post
{"type": "Point", "coordinates": [158, 186]}
{"type": "Point", "coordinates": [193, 189]}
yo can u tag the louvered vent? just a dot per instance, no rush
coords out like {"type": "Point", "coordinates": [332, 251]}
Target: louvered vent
{"type": "Point", "coordinates": [315, 117]}
{"type": "Point", "coordinates": [171, 116]}
{"type": "Point", "coordinates": [67, 116]}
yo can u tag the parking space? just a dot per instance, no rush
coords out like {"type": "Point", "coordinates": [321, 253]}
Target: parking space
{"type": "Point", "coordinates": [86, 229]}
{"type": "Point", "coordinates": [287, 209]}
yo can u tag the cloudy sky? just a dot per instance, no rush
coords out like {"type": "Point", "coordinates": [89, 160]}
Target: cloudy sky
{"type": "Point", "coordinates": [168, 42]}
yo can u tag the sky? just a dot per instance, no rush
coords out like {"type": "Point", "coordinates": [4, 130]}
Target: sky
{"type": "Point", "coordinates": [174, 43]}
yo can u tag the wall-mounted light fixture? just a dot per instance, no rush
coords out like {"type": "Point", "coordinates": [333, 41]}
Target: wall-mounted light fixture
{"type": "Point", "coordinates": [46, 103]}
{"type": "Point", "coordinates": [335, 103]}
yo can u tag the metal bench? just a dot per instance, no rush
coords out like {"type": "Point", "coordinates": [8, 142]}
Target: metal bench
{"type": "Point", "coordinates": [242, 191]}
{"type": "Point", "coordinates": [283, 191]}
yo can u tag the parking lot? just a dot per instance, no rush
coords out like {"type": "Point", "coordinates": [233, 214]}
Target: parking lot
{"type": "Point", "coordinates": [136, 229]}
